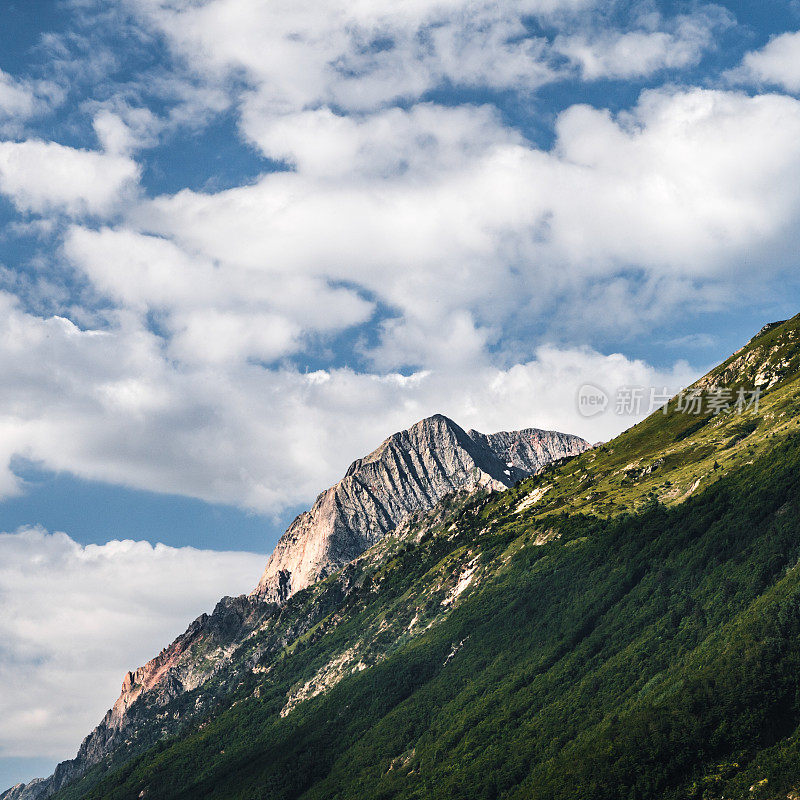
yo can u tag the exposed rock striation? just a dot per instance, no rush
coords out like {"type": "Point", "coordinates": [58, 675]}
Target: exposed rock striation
{"type": "Point", "coordinates": [410, 471]}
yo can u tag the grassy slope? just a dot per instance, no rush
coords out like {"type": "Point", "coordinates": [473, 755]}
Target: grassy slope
{"type": "Point", "coordinates": [684, 448]}
{"type": "Point", "coordinates": [646, 654]}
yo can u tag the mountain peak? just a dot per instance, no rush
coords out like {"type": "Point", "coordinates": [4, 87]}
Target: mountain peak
{"type": "Point", "coordinates": [409, 471]}
{"type": "Point", "coordinates": [436, 420]}
{"type": "Point", "coordinates": [770, 326]}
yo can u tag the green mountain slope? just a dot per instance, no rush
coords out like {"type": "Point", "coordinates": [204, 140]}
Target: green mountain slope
{"type": "Point", "coordinates": [676, 451]}
{"type": "Point", "coordinates": [624, 625]}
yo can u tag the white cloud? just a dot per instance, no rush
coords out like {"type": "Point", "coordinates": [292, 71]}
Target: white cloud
{"type": "Point", "coordinates": [357, 55]}
{"type": "Point", "coordinates": [362, 57]}
{"type": "Point", "coordinates": [23, 100]}
{"type": "Point", "coordinates": [441, 229]}
{"type": "Point", "coordinates": [658, 44]}
{"type": "Point", "coordinates": [691, 181]}
{"type": "Point", "coordinates": [776, 64]}
{"type": "Point", "coordinates": [122, 129]}
{"type": "Point", "coordinates": [461, 249]}
{"type": "Point", "coordinates": [74, 619]}
{"type": "Point", "coordinates": [213, 313]}
{"type": "Point", "coordinates": [45, 177]}
{"type": "Point", "coordinates": [447, 245]}
{"type": "Point", "coordinates": [425, 139]}
{"type": "Point", "coordinates": [16, 99]}
{"type": "Point", "coordinates": [269, 59]}
{"type": "Point", "coordinates": [113, 406]}
{"type": "Point", "coordinates": [690, 188]}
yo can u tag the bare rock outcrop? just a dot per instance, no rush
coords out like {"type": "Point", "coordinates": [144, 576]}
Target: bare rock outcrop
{"type": "Point", "coordinates": [410, 471]}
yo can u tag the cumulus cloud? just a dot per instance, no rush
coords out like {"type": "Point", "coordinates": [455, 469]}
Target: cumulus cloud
{"type": "Point", "coordinates": [444, 243]}
{"type": "Point", "coordinates": [16, 99]}
{"type": "Point", "coordinates": [266, 59]}
{"type": "Point", "coordinates": [362, 56]}
{"type": "Point", "coordinates": [281, 59]}
{"type": "Point", "coordinates": [658, 44]}
{"type": "Point", "coordinates": [122, 128]}
{"type": "Point", "coordinates": [426, 138]}
{"type": "Point", "coordinates": [45, 177]}
{"type": "Point", "coordinates": [213, 313]}
{"type": "Point", "coordinates": [687, 189]}
{"type": "Point", "coordinates": [438, 228]}
{"type": "Point", "coordinates": [112, 405]}
{"type": "Point", "coordinates": [775, 64]}
{"type": "Point", "coordinates": [74, 619]}
{"type": "Point", "coordinates": [357, 55]}
{"type": "Point", "coordinates": [22, 100]}
{"type": "Point", "coordinates": [689, 181]}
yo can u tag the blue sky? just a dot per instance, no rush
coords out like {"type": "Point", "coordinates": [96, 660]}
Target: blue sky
{"type": "Point", "coordinates": [243, 241]}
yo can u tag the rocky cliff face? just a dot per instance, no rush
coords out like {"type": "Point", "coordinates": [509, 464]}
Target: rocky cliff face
{"type": "Point", "coordinates": [410, 471]}
{"type": "Point", "coordinates": [408, 474]}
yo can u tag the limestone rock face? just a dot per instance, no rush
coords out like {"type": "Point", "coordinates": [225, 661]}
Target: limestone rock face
{"type": "Point", "coordinates": [410, 471]}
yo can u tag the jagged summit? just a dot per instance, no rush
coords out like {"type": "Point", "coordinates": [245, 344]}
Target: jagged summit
{"type": "Point", "coordinates": [770, 326]}
{"type": "Point", "coordinates": [409, 471]}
